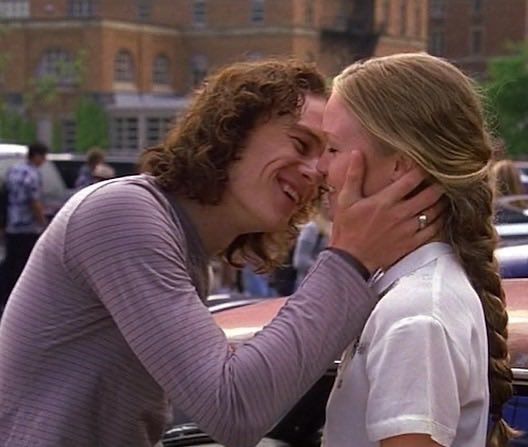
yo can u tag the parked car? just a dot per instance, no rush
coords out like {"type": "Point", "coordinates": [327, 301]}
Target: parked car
{"type": "Point", "coordinates": [302, 425]}
{"type": "Point", "coordinates": [513, 261]}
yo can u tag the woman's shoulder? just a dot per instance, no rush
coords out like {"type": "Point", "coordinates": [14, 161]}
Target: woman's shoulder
{"type": "Point", "coordinates": [409, 296]}
{"type": "Point", "coordinates": [447, 300]}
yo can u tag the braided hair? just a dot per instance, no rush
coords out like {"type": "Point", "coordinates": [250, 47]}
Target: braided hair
{"type": "Point", "coordinates": [441, 126]}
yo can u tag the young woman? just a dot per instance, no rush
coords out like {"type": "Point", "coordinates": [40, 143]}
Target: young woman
{"type": "Point", "coordinates": [418, 375]}
{"type": "Point", "coordinates": [106, 325]}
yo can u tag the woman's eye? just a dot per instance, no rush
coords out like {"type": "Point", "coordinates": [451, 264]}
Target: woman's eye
{"type": "Point", "coordinates": [331, 150]}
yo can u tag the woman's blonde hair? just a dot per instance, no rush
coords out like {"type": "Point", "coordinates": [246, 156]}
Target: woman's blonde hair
{"type": "Point", "coordinates": [427, 109]}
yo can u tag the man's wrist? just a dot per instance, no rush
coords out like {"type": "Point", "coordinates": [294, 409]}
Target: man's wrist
{"type": "Point", "coordinates": [358, 265]}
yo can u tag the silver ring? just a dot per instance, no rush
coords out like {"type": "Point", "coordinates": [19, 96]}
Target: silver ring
{"type": "Point", "coordinates": [422, 221]}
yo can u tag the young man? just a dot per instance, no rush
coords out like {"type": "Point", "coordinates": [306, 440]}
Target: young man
{"type": "Point", "coordinates": [25, 216]}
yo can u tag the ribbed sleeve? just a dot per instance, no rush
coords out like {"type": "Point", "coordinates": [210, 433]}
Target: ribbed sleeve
{"type": "Point", "coordinates": [134, 334]}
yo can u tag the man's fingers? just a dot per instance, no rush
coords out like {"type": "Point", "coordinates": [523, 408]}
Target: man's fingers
{"type": "Point", "coordinates": [435, 211]}
{"type": "Point", "coordinates": [351, 191]}
{"type": "Point", "coordinates": [424, 200]}
{"type": "Point", "coordinates": [430, 232]}
{"type": "Point", "coordinates": [403, 186]}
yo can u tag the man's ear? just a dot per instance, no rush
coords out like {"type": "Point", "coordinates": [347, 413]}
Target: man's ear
{"type": "Point", "coordinates": [402, 165]}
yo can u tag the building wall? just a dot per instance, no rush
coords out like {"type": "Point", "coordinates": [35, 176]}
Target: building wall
{"type": "Point", "coordinates": [403, 25]}
{"type": "Point", "coordinates": [451, 28]}
{"type": "Point", "coordinates": [332, 33]}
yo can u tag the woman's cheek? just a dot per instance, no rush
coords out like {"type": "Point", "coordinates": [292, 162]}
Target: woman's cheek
{"type": "Point", "coordinates": [337, 172]}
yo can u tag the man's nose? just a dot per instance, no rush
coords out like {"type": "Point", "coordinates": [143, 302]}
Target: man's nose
{"type": "Point", "coordinates": [310, 170]}
{"type": "Point", "coordinates": [322, 165]}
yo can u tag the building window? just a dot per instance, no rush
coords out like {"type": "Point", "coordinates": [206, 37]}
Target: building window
{"type": "Point", "coordinates": [157, 128]}
{"type": "Point", "coordinates": [476, 45]}
{"type": "Point", "coordinates": [68, 129]}
{"type": "Point", "coordinates": [403, 17]}
{"type": "Point", "coordinates": [309, 12]}
{"type": "Point", "coordinates": [58, 64]}
{"type": "Point", "coordinates": [477, 6]}
{"type": "Point", "coordinates": [437, 9]}
{"type": "Point", "coordinates": [418, 19]}
{"type": "Point", "coordinates": [437, 43]}
{"type": "Point", "coordinates": [199, 13]}
{"type": "Point", "coordinates": [161, 70]}
{"type": "Point", "coordinates": [80, 8]}
{"type": "Point", "coordinates": [124, 67]}
{"type": "Point", "coordinates": [386, 13]}
{"type": "Point", "coordinates": [124, 133]}
{"type": "Point", "coordinates": [198, 69]}
{"type": "Point", "coordinates": [257, 11]}
{"type": "Point", "coordinates": [144, 9]}
{"type": "Point", "coordinates": [14, 8]}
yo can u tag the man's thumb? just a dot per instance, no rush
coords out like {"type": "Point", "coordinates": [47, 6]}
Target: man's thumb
{"type": "Point", "coordinates": [351, 191]}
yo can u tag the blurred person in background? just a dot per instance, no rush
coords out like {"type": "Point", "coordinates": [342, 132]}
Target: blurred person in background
{"type": "Point", "coordinates": [312, 239]}
{"type": "Point", "coordinates": [119, 329]}
{"type": "Point", "coordinates": [507, 180]}
{"type": "Point", "coordinates": [102, 171]}
{"type": "Point", "coordinates": [25, 216]}
{"type": "Point", "coordinates": [431, 367]}
{"type": "Point", "coordinates": [85, 177]}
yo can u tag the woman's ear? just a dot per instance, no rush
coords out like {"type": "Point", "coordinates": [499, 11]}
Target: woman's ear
{"type": "Point", "coordinates": [402, 165]}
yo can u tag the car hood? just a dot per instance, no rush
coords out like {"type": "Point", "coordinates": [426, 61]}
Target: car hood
{"type": "Point", "coordinates": [242, 323]}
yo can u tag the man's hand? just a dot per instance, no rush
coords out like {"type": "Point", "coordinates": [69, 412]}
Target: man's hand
{"type": "Point", "coordinates": [380, 229]}
{"type": "Point", "coordinates": [38, 212]}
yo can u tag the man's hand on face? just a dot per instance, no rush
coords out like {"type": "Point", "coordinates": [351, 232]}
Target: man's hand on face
{"type": "Point", "coordinates": [380, 229]}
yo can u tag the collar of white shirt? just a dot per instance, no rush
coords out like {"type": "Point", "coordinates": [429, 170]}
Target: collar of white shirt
{"type": "Point", "coordinates": [381, 281]}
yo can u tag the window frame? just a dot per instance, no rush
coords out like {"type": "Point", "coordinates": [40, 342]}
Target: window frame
{"type": "Point", "coordinates": [257, 14]}
{"type": "Point", "coordinates": [124, 67]}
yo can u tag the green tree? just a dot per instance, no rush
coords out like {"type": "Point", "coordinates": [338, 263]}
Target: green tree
{"type": "Point", "coordinates": [92, 125]}
{"type": "Point", "coordinates": [507, 91]}
{"type": "Point", "coordinates": [15, 128]}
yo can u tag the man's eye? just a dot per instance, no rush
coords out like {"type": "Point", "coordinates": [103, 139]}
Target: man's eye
{"type": "Point", "coordinates": [300, 145]}
{"type": "Point", "coordinates": [331, 150]}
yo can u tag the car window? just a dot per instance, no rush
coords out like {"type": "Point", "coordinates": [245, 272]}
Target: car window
{"type": "Point", "coordinates": [54, 187]}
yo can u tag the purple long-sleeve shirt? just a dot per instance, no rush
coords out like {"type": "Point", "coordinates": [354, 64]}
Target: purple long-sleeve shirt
{"type": "Point", "coordinates": [105, 327]}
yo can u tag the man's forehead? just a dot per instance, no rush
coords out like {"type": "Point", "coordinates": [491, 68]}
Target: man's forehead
{"type": "Point", "coordinates": [313, 132]}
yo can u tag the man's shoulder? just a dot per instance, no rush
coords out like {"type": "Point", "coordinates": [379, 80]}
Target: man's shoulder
{"type": "Point", "coordinates": [22, 168]}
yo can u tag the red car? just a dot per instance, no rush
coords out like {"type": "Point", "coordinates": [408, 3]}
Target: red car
{"type": "Point", "coordinates": [301, 427]}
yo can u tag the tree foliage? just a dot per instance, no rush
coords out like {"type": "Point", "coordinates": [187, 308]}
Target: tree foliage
{"type": "Point", "coordinates": [15, 128]}
{"type": "Point", "coordinates": [507, 91]}
{"type": "Point", "coordinates": [92, 125]}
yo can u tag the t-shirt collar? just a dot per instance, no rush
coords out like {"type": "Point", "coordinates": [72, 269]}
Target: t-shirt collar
{"type": "Point", "coordinates": [381, 281]}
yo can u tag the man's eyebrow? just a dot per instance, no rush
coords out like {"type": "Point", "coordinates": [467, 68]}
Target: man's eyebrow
{"type": "Point", "coordinates": [319, 136]}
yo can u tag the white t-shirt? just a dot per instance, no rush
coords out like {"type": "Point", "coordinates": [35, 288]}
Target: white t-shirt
{"type": "Point", "coordinates": [421, 363]}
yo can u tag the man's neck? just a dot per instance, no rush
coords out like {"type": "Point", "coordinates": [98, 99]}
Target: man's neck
{"type": "Point", "coordinates": [213, 224]}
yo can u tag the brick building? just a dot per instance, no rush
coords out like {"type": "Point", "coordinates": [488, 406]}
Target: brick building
{"type": "Point", "coordinates": [141, 58]}
{"type": "Point", "coordinates": [467, 32]}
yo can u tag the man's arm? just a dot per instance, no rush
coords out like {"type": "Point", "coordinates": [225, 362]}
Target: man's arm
{"type": "Point", "coordinates": [38, 212]}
